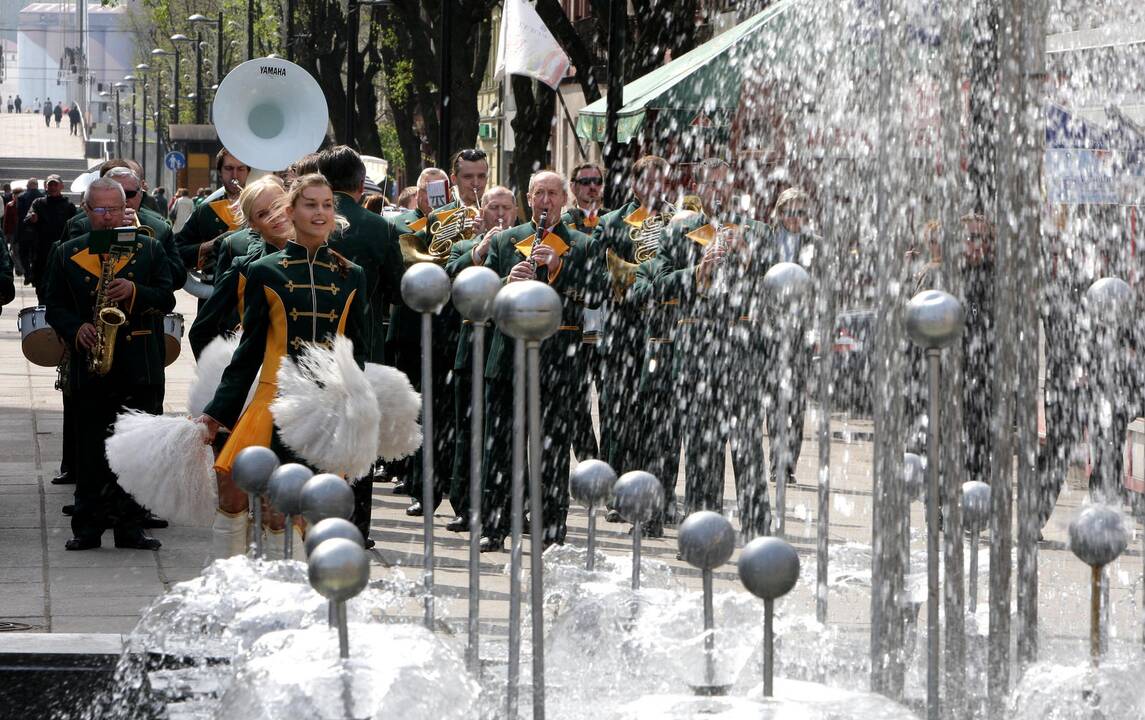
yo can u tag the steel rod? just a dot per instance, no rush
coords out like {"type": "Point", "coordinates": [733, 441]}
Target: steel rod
{"type": "Point", "coordinates": [516, 512]}
{"type": "Point", "coordinates": [637, 531]}
{"type": "Point", "coordinates": [332, 613]}
{"type": "Point", "coordinates": [343, 630]}
{"type": "Point", "coordinates": [826, 330]}
{"type": "Point", "coordinates": [427, 448]}
{"type": "Point", "coordinates": [768, 648]}
{"type": "Point", "coordinates": [932, 597]}
{"type": "Point", "coordinates": [972, 600]}
{"type": "Point", "coordinates": [1095, 616]}
{"type": "Point", "coordinates": [709, 632]}
{"type": "Point", "coordinates": [256, 526]}
{"type": "Point", "coordinates": [781, 448]}
{"type": "Point", "coordinates": [536, 527]}
{"type": "Point", "coordinates": [590, 563]}
{"type": "Point", "coordinates": [476, 446]}
{"type": "Point", "coordinates": [288, 539]}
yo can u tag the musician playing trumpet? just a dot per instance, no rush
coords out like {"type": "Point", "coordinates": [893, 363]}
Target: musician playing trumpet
{"type": "Point", "coordinates": [451, 223]}
{"type": "Point", "coordinates": [197, 238]}
{"type": "Point", "coordinates": [498, 213]}
{"type": "Point", "coordinates": [135, 278]}
{"type": "Point", "coordinates": [549, 251]}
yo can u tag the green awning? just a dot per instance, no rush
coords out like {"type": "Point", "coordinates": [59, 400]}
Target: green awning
{"type": "Point", "coordinates": [699, 87]}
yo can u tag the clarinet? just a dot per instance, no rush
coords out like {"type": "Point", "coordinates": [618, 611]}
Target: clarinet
{"type": "Point", "coordinates": [537, 238]}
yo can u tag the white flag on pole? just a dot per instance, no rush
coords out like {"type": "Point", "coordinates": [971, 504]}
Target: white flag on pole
{"type": "Point", "coordinates": [526, 47]}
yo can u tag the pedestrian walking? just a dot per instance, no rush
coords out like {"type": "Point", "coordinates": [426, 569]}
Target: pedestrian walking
{"type": "Point", "coordinates": [181, 209]}
{"type": "Point", "coordinates": [10, 104]}
{"type": "Point", "coordinates": [25, 238]}
{"type": "Point", "coordinates": [47, 110]}
{"type": "Point", "coordinates": [58, 113]}
{"type": "Point", "coordinates": [74, 118]}
{"type": "Point", "coordinates": [161, 203]}
{"type": "Point", "coordinates": [17, 102]}
{"type": "Point", "coordinates": [11, 228]}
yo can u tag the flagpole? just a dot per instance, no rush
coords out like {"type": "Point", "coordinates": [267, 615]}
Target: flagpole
{"type": "Point", "coordinates": [572, 125]}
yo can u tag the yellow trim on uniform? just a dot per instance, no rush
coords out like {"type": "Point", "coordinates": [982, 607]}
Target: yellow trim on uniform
{"type": "Point", "coordinates": [242, 295]}
{"type": "Point", "coordinates": [706, 233]}
{"type": "Point", "coordinates": [346, 313]}
{"type": "Point", "coordinates": [559, 246]}
{"type": "Point", "coordinates": [93, 262]}
{"type": "Point", "coordinates": [419, 224]}
{"type": "Point", "coordinates": [226, 213]}
{"type": "Point", "coordinates": [637, 216]}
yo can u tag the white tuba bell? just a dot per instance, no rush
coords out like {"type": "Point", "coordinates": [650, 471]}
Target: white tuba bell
{"type": "Point", "coordinates": [268, 112]}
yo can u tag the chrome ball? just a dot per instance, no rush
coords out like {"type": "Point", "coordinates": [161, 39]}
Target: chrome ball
{"type": "Point", "coordinates": [330, 528]}
{"type": "Point", "coordinates": [474, 291]}
{"type": "Point", "coordinates": [706, 540]}
{"type": "Point", "coordinates": [934, 319]}
{"type": "Point", "coordinates": [786, 282]}
{"type": "Point", "coordinates": [425, 287]}
{"type": "Point", "coordinates": [914, 475]}
{"type": "Point", "coordinates": [325, 496]}
{"type": "Point", "coordinates": [1110, 300]}
{"type": "Point", "coordinates": [591, 482]}
{"type": "Point", "coordinates": [1098, 535]}
{"type": "Point", "coordinates": [975, 504]}
{"type": "Point", "coordinates": [638, 496]}
{"type": "Point", "coordinates": [338, 569]}
{"type": "Point", "coordinates": [527, 310]}
{"type": "Point", "coordinates": [252, 469]}
{"type": "Point", "coordinates": [285, 489]}
{"type": "Point", "coordinates": [768, 567]}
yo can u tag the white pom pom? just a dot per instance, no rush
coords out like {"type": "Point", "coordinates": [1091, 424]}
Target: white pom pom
{"type": "Point", "coordinates": [399, 433]}
{"type": "Point", "coordinates": [326, 411]}
{"type": "Point", "coordinates": [209, 373]}
{"type": "Point", "coordinates": [165, 463]}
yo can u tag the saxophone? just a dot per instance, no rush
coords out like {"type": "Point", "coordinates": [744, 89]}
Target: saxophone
{"type": "Point", "coordinates": [107, 318]}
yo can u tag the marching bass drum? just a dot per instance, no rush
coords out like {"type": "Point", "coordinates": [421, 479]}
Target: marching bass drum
{"type": "Point", "coordinates": [40, 343]}
{"type": "Point", "coordinates": [172, 337]}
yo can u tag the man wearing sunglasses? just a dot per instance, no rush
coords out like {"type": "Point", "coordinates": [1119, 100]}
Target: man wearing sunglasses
{"type": "Point", "coordinates": [45, 222]}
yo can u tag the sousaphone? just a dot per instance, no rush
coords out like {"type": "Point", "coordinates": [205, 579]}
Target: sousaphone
{"type": "Point", "coordinates": [269, 112]}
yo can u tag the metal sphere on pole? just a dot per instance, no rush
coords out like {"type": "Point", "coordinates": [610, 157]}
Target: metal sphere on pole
{"type": "Point", "coordinates": [785, 284]}
{"type": "Point", "coordinates": [425, 289]}
{"type": "Point", "coordinates": [339, 570]}
{"type": "Point", "coordinates": [529, 311]}
{"type": "Point", "coordinates": [591, 484]}
{"type": "Point", "coordinates": [251, 472]}
{"type": "Point", "coordinates": [706, 541]}
{"type": "Point", "coordinates": [639, 497]}
{"type": "Point", "coordinates": [934, 320]}
{"type": "Point", "coordinates": [975, 514]}
{"type": "Point", "coordinates": [474, 290]}
{"type": "Point", "coordinates": [1097, 536]}
{"type": "Point", "coordinates": [332, 527]}
{"type": "Point", "coordinates": [325, 496]}
{"type": "Point", "coordinates": [285, 492]}
{"type": "Point", "coordinates": [768, 568]}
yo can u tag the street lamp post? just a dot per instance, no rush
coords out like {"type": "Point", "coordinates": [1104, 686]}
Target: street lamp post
{"type": "Point", "coordinates": [175, 40]}
{"type": "Point", "coordinates": [142, 69]}
{"type": "Point", "coordinates": [249, 30]}
{"type": "Point", "coordinates": [118, 125]}
{"type": "Point", "coordinates": [199, 19]}
{"type": "Point", "coordinates": [130, 79]}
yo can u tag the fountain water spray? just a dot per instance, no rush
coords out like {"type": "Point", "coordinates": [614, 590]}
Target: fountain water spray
{"type": "Point", "coordinates": [285, 490]}
{"type": "Point", "coordinates": [528, 311]}
{"type": "Point", "coordinates": [1097, 537]}
{"type": "Point", "coordinates": [591, 484]}
{"type": "Point", "coordinates": [786, 283]}
{"type": "Point", "coordinates": [639, 498]}
{"type": "Point", "coordinates": [339, 570]}
{"type": "Point", "coordinates": [975, 513]}
{"type": "Point", "coordinates": [251, 472]}
{"type": "Point", "coordinates": [425, 289]}
{"type": "Point", "coordinates": [473, 292]}
{"type": "Point", "coordinates": [934, 320]}
{"type": "Point", "coordinates": [707, 540]}
{"type": "Point", "coordinates": [768, 568]}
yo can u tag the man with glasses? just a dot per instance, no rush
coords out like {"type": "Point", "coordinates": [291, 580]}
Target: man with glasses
{"type": "Point", "coordinates": [469, 175]}
{"type": "Point", "coordinates": [45, 222]}
{"type": "Point", "coordinates": [212, 219]}
{"type": "Point", "coordinates": [142, 289]}
{"type": "Point", "coordinates": [584, 216]}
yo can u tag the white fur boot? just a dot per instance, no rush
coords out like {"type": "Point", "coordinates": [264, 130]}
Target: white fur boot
{"type": "Point", "coordinates": [228, 534]}
{"type": "Point", "coordinates": [272, 543]}
{"type": "Point", "coordinates": [299, 543]}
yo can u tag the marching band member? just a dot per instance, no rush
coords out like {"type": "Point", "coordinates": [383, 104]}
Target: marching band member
{"type": "Point", "coordinates": [371, 243]}
{"type": "Point", "coordinates": [196, 239]}
{"type": "Point", "coordinates": [559, 259]}
{"type": "Point", "coordinates": [624, 239]}
{"type": "Point", "coordinates": [304, 293]}
{"type": "Point", "coordinates": [260, 208]}
{"type": "Point", "coordinates": [498, 212]}
{"type": "Point", "coordinates": [584, 216]}
{"type": "Point", "coordinates": [110, 371]}
{"type": "Point", "coordinates": [458, 220]}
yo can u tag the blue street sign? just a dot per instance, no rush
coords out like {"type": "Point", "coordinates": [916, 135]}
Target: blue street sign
{"type": "Point", "coordinates": [175, 160]}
